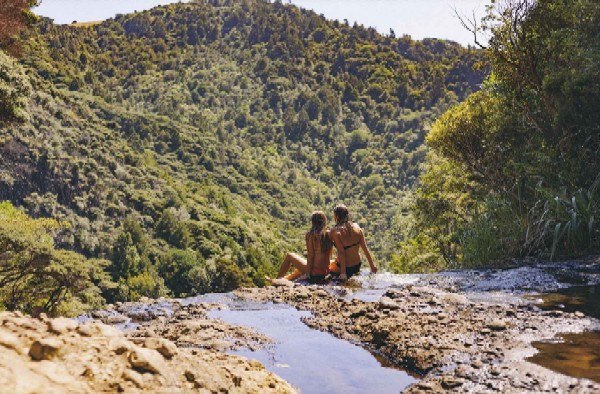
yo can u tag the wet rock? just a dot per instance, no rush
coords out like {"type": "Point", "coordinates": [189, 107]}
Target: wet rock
{"type": "Point", "coordinates": [99, 314]}
{"type": "Point", "coordinates": [115, 319]}
{"type": "Point", "coordinates": [45, 349]}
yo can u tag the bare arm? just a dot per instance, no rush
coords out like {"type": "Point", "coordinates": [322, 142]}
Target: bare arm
{"type": "Point", "coordinates": [310, 253]}
{"type": "Point", "coordinates": [363, 245]}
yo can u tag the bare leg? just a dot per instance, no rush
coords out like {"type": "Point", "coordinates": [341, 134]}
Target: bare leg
{"type": "Point", "coordinates": [292, 260]}
{"type": "Point", "coordinates": [294, 275]}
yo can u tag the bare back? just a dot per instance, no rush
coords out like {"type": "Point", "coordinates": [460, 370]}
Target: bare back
{"type": "Point", "coordinates": [317, 257]}
{"type": "Point", "coordinates": [349, 237]}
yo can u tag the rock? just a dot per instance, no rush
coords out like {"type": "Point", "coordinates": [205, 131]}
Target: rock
{"type": "Point", "coordinates": [134, 377]}
{"type": "Point", "coordinates": [97, 329]}
{"type": "Point", "coordinates": [302, 296]}
{"type": "Point", "coordinates": [119, 345]}
{"type": "Point", "coordinates": [461, 371]}
{"type": "Point", "coordinates": [555, 313]}
{"type": "Point", "coordinates": [11, 341]}
{"type": "Point", "coordinates": [115, 319]}
{"type": "Point", "coordinates": [426, 386]}
{"type": "Point", "coordinates": [388, 303]}
{"type": "Point", "coordinates": [453, 298]}
{"type": "Point", "coordinates": [62, 325]}
{"type": "Point", "coordinates": [144, 300]}
{"type": "Point", "coordinates": [579, 314]}
{"type": "Point", "coordinates": [321, 293]}
{"type": "Point", "coordinates": [45, 349]}
{"type": "Point", "coordinates": [281, 282]}
{"type": "Point", "coordinates": [449, 382]}
{"type": "Point", "coordinates": [496, 325]}
{"type": "Point", "coordinates": [183, 315]}
{"type": "Point", "coordinates": [166, 348]}
{"type": "Point", "coordinates": [85, 330]}
{"type": "Point", "coordinates": [146, 360]}
{"type": "Point", "coordinates": [190, 376]}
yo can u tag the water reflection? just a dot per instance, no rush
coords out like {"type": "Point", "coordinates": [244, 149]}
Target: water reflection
{"type": "Point", "coordinates": [578, 355]}
{"type": "Point", "coordinates": [313, 361]}
{"type": "Point", "coordinates": [584, 299]}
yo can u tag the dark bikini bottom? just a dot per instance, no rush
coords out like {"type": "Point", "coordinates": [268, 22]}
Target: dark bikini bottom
{"type": "Point", "coordinates": [350, 271]}
{"type": "Point", "coordinates": [315, 279]}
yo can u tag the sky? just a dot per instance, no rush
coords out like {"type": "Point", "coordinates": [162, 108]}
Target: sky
{"type": "Point", "coordinates": [417, 18]}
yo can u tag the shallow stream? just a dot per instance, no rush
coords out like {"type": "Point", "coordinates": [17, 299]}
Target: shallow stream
{"type": "Point", "coordinates": [311, 360]}
{"type": "Point", "coordinates": [317, 362]}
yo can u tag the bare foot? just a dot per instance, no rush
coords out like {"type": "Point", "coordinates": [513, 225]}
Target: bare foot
{"type": "Point", "coordinates": [269, 279]}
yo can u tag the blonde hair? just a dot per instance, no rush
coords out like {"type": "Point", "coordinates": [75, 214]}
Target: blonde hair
{"type": "Point", "coordinates": [319, 229]}
{"type": "Point", "coordinates": [342, 217]}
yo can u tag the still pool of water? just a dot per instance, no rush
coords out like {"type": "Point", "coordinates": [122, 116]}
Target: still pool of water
{"type": "Point", "coordinates": [584, 299]}
{"type": "Point", "coordinates": [311, 360]}
{"type": "Point", "coordinates": [577, 355]}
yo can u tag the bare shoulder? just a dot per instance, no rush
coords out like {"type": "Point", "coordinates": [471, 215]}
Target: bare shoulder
{"type": "Point", "coordinates": [356, 228]}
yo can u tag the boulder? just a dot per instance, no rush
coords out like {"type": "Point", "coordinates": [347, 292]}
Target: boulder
{"type": "Point", "coordinates": [45, 349]}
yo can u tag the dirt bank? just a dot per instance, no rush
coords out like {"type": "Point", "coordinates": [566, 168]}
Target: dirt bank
{"type": "Point", "coordinates": [63, 356]}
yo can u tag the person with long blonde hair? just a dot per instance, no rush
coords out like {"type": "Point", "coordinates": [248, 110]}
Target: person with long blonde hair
{"type": "Point", "coordinates": [319, 249]}
{"type": "Point", "coordinates": [348, 239]}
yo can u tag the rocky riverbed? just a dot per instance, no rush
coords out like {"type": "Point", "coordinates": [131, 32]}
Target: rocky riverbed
{"type": "Point", "coordinates": [65, 356]}
{"type": "Point", "coordinates": [454, 343]}
{"type": "Point", "coordinates": [458, 332]}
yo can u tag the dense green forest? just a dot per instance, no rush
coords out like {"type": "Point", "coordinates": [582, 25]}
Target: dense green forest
{"type": "Point", "coordinates": [182, 149]}
{"type": "Point", "coordinates": [515, 169]}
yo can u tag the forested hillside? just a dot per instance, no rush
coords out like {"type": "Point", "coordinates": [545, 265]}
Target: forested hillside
{"type": "Point", "coordinates": [188, 144]}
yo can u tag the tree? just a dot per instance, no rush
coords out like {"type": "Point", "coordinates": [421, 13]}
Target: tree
{"type": "Point", "coordinates": [35, 277]}
{"type": "Point", "coordinates": [15, 16]}
{"type": "Point", "coordinates": [519, 160]}
{"type": "Point", "coordinates": [14, 89]}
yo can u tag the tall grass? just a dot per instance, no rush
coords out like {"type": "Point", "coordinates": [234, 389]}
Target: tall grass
{"type": "Point", "coordinates": [565, 224]}
{"type": "Point", "coordinates": [491, 235]}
